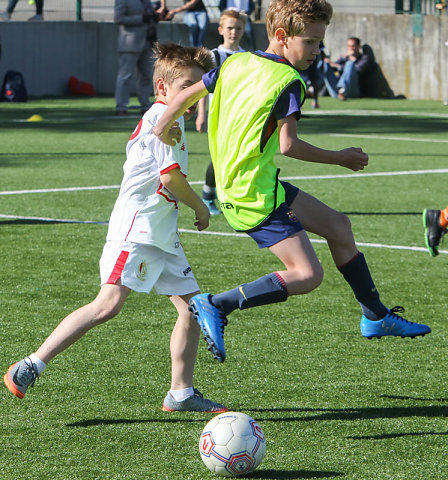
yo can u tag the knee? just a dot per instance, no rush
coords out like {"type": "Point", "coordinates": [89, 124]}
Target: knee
{"type": "Point", "coordinates": [340, 228]}
{"type": "Point", "coordinates": [306, 280]}
{"type": "Point", "coordinates": [104, 311]}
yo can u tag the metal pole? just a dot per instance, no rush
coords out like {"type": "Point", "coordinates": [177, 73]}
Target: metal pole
{"type": "Point", "coordinates": [79, 10]}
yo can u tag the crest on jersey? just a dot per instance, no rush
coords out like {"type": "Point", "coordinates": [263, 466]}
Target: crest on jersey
{"type": "Point", "coordinates": [141, 271]}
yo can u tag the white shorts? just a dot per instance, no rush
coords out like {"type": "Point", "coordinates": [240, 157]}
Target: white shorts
{"type": "Point", "coordinates": [144, 267]}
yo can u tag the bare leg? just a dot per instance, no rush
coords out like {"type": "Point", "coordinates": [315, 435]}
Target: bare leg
{"type": "Point", "coordinates": [303, 271]}
{"type": "Point", "coordinates": [184, 344]}
{"type": "Point", "coordinates": [335, 227]}
{"type": "Point", "coordinates": [106, 305]}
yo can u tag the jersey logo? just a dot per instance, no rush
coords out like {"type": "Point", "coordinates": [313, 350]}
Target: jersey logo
{"type": "Point", "coordinates": [226, 205]}
{"type": "Point", "coordinates": [183, 147]}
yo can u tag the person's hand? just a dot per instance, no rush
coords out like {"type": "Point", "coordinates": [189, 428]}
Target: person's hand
{"type": "Point", "coordinates": [170, 137]}
{"type": "Point", "coordinates": [202, 217]}
{"type": "Point", "coordinates": [353, 158]}
{"type": "Point", "coordinates": [161, 13]}
{"type": "Point", "coordinates": [170, 15]}
{"type": "Point", "coordinates": [201, 124]}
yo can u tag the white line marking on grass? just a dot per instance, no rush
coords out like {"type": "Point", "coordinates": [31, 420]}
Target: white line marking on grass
{"type": "Point", "coordinates": [373, 174]}
{"type": "Point", "coordinates": [55, 220]}
{"type": "Point", "coordinates": [217, 234]}
{"type": "Point", "coordinates": [385, 137]}
{"type": "Point", "coordinates": [65, 189]}
{"type": "Point", "coordinates": [200, 182]}
{"type": "Point", "coordinates": [368, 113]}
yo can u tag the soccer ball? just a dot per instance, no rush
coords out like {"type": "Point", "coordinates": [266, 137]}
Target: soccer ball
{"type": "Point", "coordinates": [232, 444]}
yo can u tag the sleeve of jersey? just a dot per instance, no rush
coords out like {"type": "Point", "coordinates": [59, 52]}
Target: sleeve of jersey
{"type": "Point", "coordinates": [168, 157]}
{"type": "Point", "coordinates": [289, 103]}
{"type": "Point", "coordinates": [210, 78]}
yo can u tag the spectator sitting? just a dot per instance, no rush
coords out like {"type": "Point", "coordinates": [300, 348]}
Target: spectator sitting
{"type": "Point", "coordinates": [352, 67]}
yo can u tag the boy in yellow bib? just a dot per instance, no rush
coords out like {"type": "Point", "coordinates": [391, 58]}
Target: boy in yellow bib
{"type": "Point", "coordinates": [257, 100]}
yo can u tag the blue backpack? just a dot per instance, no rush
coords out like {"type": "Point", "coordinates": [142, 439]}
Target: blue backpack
{"type": "Point", "coordinates": [13, 88]}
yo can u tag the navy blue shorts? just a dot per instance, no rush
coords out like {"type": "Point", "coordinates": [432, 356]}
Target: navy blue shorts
{"type": "Point", "coordinates": [281, 224]}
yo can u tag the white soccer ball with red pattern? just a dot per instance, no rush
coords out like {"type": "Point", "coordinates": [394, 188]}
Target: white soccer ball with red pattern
{"type": "Point", "coordinates": [232, 444]}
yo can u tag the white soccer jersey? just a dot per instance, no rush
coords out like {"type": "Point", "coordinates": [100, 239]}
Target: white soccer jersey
{"type": "Point", "coordinates": [146, 212]}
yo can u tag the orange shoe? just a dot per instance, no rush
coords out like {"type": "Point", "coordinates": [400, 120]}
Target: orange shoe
{"type": "Point", "coordinates": [20, 376]}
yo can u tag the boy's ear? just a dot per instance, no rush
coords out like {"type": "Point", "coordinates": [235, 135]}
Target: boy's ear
{"type": "Point", "coordinates": [220, 31]}
{"type": "Point", "coordinates": [280, 36]}
{"type": "Point", "coordinates": [161, 86]}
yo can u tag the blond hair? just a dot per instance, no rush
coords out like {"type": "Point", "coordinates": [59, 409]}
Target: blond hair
{"type": "Point", "coordinates": [172, 60]}
{"type": "Point", "coordinates": [233, 13]}
{"type": "Point", "coordinates": [293, 15]}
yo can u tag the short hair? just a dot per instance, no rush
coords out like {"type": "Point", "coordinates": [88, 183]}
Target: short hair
{"type": "Point", "coordinates": [356, 40]}
{"type": "Point", "coordinates": [172, 59]}
{"type": "Point", "coordinates": [233, 13]}
{"type": "Point", "coordinates": [293, 15]}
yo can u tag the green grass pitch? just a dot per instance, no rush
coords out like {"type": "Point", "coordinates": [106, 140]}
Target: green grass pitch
{"type": "Point", "coordinates": [332, 404]}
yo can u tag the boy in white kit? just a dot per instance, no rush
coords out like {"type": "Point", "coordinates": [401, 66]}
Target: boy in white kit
{"type": "Point", "coordinates": [143, 250]}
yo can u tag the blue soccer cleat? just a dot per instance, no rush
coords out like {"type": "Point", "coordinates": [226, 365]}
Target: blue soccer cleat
{"type": "Point", "coordinates": [212, 322]}
{"type": "Point", "coordinates": [392, 325]}
{"type": "Point", "coordinates": [212, 208]}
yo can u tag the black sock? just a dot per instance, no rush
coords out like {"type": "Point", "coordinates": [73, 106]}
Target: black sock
{"type": "Point", "coordinates": [357, 274]}
{"type": "Point", "coordinates": [263, 291]}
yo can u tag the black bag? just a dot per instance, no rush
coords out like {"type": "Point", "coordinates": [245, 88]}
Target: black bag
{"type": "Point", "coordinates": [13, 88]}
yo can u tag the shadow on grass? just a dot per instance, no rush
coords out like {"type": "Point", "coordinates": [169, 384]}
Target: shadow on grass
{"type": "Point", "coordinates": [319, 414]}
{"type": "Point", "coordinates": [350, 414]}
{"type": "Point", "coordinates": [385, 436]}
{"type": "Point", "coordinates": [279, 474]}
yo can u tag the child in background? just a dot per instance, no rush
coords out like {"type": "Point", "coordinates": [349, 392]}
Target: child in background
{"type": "Point", "coordinates": [436, 225]}
{"type": "Point", "coordinates": [231, 27]}
{"type": "Point", "coordinates": [256, 103]}
{"type": "Point", "coordinates": [143, 250]}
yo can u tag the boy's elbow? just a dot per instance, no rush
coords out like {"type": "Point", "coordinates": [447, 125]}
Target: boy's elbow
{"type": "Point", "coordinates": [286, 146]}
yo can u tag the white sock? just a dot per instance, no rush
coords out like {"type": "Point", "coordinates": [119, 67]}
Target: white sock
{"type": "Point", "coordinates": [181, 395]}
{"type": "Point", "coordinates": [39, 364]}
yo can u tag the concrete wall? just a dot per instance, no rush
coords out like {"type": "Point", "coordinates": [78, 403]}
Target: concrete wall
{"type": "Point", "coordinates": [412, 52]}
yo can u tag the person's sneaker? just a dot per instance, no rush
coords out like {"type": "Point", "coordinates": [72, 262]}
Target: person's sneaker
{"type": "Point", "coordinates": [212, 208]}
{"type": "Point", "coordinates": [433, 230]}
{"type": "Point", "coordinates": [36, 18]}
{"type": "Point", "coordinates": [195, 403]}
{"type": "Point", "coordinates": [5, 16]}
{"type": "Point", "coordinates": [212, 322]}
{"type": "Point", "coordinates": [20, 376]}
{"type": "Point", "coordinates": [392, 325]}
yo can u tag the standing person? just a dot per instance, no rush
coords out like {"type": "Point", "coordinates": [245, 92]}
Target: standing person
{"type": "Point", "coordinates": [195, 17]}
{"type": "Point", "coordinates": [313, 77]}
{"type": "Point", "coordinates": [277, 214]}
{"type": "Point", "coordinates": [246, 6]}
{"type": "Point", "coordinates": [436, 225]}
{"type": "Point", "coordinates": [143, 250]}
{"type": "Point", "coordinates": [6, 15]}
{"type": "Point", "coordinates": [351, 66]}
{"type": "Point", "coordinates": [231, 27]}
{"type": "Point", "coordinates": [136, 36]}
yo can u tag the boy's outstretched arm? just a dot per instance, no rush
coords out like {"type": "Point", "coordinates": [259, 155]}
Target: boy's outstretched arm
{"type": "Point", "coordinates": [291, 146]}
{"type": "Point", "coordinates": [176, 108]}
{"type": "Point", "coordinates": [177, 184]}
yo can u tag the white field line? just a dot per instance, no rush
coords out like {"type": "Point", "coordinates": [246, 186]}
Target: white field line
{"type": "Point", "coordinates": [218, 234]}
{"type": "Point", "coordinates": [385, 137]}
{"type": "Point", "coordinates": [200, 182]}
